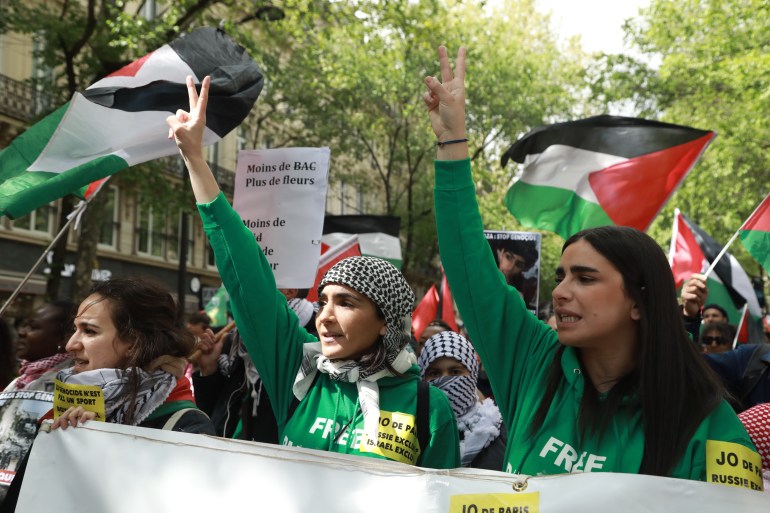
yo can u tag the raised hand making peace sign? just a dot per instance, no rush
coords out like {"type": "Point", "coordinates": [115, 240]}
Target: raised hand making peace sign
{"type": "Point", "coordinates": [187, 128]}
{"type": "Point", "coordinates": [446, 106]}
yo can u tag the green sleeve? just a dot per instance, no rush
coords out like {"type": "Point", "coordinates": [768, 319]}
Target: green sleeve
{"type": "Point", "coordinates": [269, 328]}
{"type": "Point", "coordinates": [721, 425]}
{"type": "Point", "coordinates": [443, 449]}
{"type": "Point", "coordinates": [513, 344]}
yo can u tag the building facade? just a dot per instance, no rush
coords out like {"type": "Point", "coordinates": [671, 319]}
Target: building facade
{"type": "Point", "coordinates": [137, 238]}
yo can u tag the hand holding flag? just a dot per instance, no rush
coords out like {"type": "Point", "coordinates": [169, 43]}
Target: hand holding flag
{"type": "Point", "coordinates": [693, 250]}
{"type": "Point", "coordinates": [694, 294]}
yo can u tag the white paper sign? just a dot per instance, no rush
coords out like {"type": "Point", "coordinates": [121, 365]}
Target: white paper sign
{"type": "Point", "coordinates": [281, 196]}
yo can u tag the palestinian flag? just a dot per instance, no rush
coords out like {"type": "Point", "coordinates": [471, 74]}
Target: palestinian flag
{"type": "Point", "coordinates": [437, 303]}
{"type": "Point", "coordinates": [377, 235]}
{"type": "Point", "coordinates": [755, 234]}
{"type": "Point", "coordinates": [692, 251]}
{"type": "Point", "coordinates": [330, 256]}
{"type": "Point", "coordinates": [120, 120]}
{"type": "Point", "coordinates": [749, 330]}
{"type": "Point", "coordinates": [600, 171]}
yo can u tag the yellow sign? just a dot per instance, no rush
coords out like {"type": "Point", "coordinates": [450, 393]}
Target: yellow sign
{"type": "Point", "coordinates": [733, 464]}
{"type": "Point", "coordinates": [396, 438]}
{"type": "Point", "coordinates": [90, 397]}
{"type": "Point", "coordinates": [495, 503]}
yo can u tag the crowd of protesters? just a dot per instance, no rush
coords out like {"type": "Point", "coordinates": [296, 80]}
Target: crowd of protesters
{"type": "Point", "coordinates": [611, 382]}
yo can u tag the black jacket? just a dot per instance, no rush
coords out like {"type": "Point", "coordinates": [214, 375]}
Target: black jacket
{"type": "Point", "coordinates": [228, 400]}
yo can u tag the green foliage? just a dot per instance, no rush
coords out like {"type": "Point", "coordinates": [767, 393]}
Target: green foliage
{"type": "Point", "coordinates": [348, 75]}
{"type": "Point", "coordinates": [353, 81]}
{"type": "Point", "coordinates": [715, 74]}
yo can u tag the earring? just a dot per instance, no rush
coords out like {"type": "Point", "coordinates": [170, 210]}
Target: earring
{"type": "Point", "coordinates": [60, 348]}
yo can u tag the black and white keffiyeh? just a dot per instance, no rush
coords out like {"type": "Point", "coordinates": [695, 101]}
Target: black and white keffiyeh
{"type": "Point", "coordinates": [349, 371]}
{"type": "Point", "coordinates": [479, 423]}
{"type": "Point", "coordinates": [154, 388]}
{"type": "Point", "coordinates": [461, 390]}
{"type": "Point", "coordinates": [479, 427]}
{"type": "Point", "coordinates": [380, 281]}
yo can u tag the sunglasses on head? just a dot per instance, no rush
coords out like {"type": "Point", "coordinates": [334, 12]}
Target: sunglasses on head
{"type": "Point", "coordinates": [714, 340]}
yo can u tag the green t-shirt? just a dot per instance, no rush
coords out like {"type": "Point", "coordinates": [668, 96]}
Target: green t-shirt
{"type": "Point", "coordinates": [328, 417]}
{"type": "Point", "coordinates": [517, 350]}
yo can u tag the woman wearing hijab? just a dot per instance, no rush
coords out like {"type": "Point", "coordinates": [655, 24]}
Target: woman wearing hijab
{"type": "Point", "coordinates": [448, 362]}
{"type": "Point", "coordinates": [354, 391]}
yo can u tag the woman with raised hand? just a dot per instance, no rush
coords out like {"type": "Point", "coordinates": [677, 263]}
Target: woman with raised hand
{"type": "Point", "coordinates": [356, 390]}
{"type": "Point", "coordinates": [620, 387]}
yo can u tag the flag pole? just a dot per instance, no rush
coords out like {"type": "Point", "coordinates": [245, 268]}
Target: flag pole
{"type": "Point", "coordinates": [721, 253]}
{"type": "Point", "coordinates": [75, 214]}
{"type": "Point", "coordinates": [732, 239]}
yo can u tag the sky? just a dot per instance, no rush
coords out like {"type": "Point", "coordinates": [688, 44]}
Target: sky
{"type": "Point", "coordinates": [598, 22]}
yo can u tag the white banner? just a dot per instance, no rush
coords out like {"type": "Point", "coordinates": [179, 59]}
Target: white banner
{"type": "Point", "coordinates": [281, 196]}
{"type": "Point", "coordinates": [109, 468]}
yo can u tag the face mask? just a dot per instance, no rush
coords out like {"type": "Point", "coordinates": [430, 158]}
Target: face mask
{"type": "Point", "coordinates": [461, 391]}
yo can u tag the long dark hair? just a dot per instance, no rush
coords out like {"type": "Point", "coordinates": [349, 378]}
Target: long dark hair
{"type": "Point", "coordinates": [671, 384]}
{"type": "Point", "coordinates": [145, 316]}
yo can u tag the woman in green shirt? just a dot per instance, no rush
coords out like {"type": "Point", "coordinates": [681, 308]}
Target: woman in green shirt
{"type": "Point", "coordinates": [354, 391]}
{"type": "Point", "coordinates": [620, 387]}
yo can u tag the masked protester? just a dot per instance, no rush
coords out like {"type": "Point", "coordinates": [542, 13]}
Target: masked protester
{"type": "Point", "coordinates": [448, 362]}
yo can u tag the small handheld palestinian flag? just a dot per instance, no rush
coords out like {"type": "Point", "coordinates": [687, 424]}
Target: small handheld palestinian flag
{"type": "Point", "coordinates": [120, 120]}
{"type": "Point", "coordinates": [693, 251]}
{"type": "Point", "coordinates": [755, 234]}
{"type": "Point", "coordinates": [437, 303]}
{"type": "Point", "coordinates": [600, 171]}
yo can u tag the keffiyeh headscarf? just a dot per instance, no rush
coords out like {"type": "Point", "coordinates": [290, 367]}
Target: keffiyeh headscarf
{"type": "Point", "coordinates": [154, 389]}
{"type": "Point", "coordinates": [479, 423]}
{"type": "Point", "coordinates": [32, 370]}
{"type": "Point", "coordinates": [381, 282]}
{"type": "Point", "coordinates": [461, 390]}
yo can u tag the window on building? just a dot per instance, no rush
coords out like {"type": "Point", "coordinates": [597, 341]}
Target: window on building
{"type": "Point", "coordinates": [174, 239]}
{"type": "Point", "coordinates": [108, 232]}
{"type": "Point", "coordinates": [150, 232]}
{"type": "Point", "coordinates": [214, 153]}
{"type": "Point", "coordinates": [40, 220]}
{"type": "Point", "coordinates": [242, 140]}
